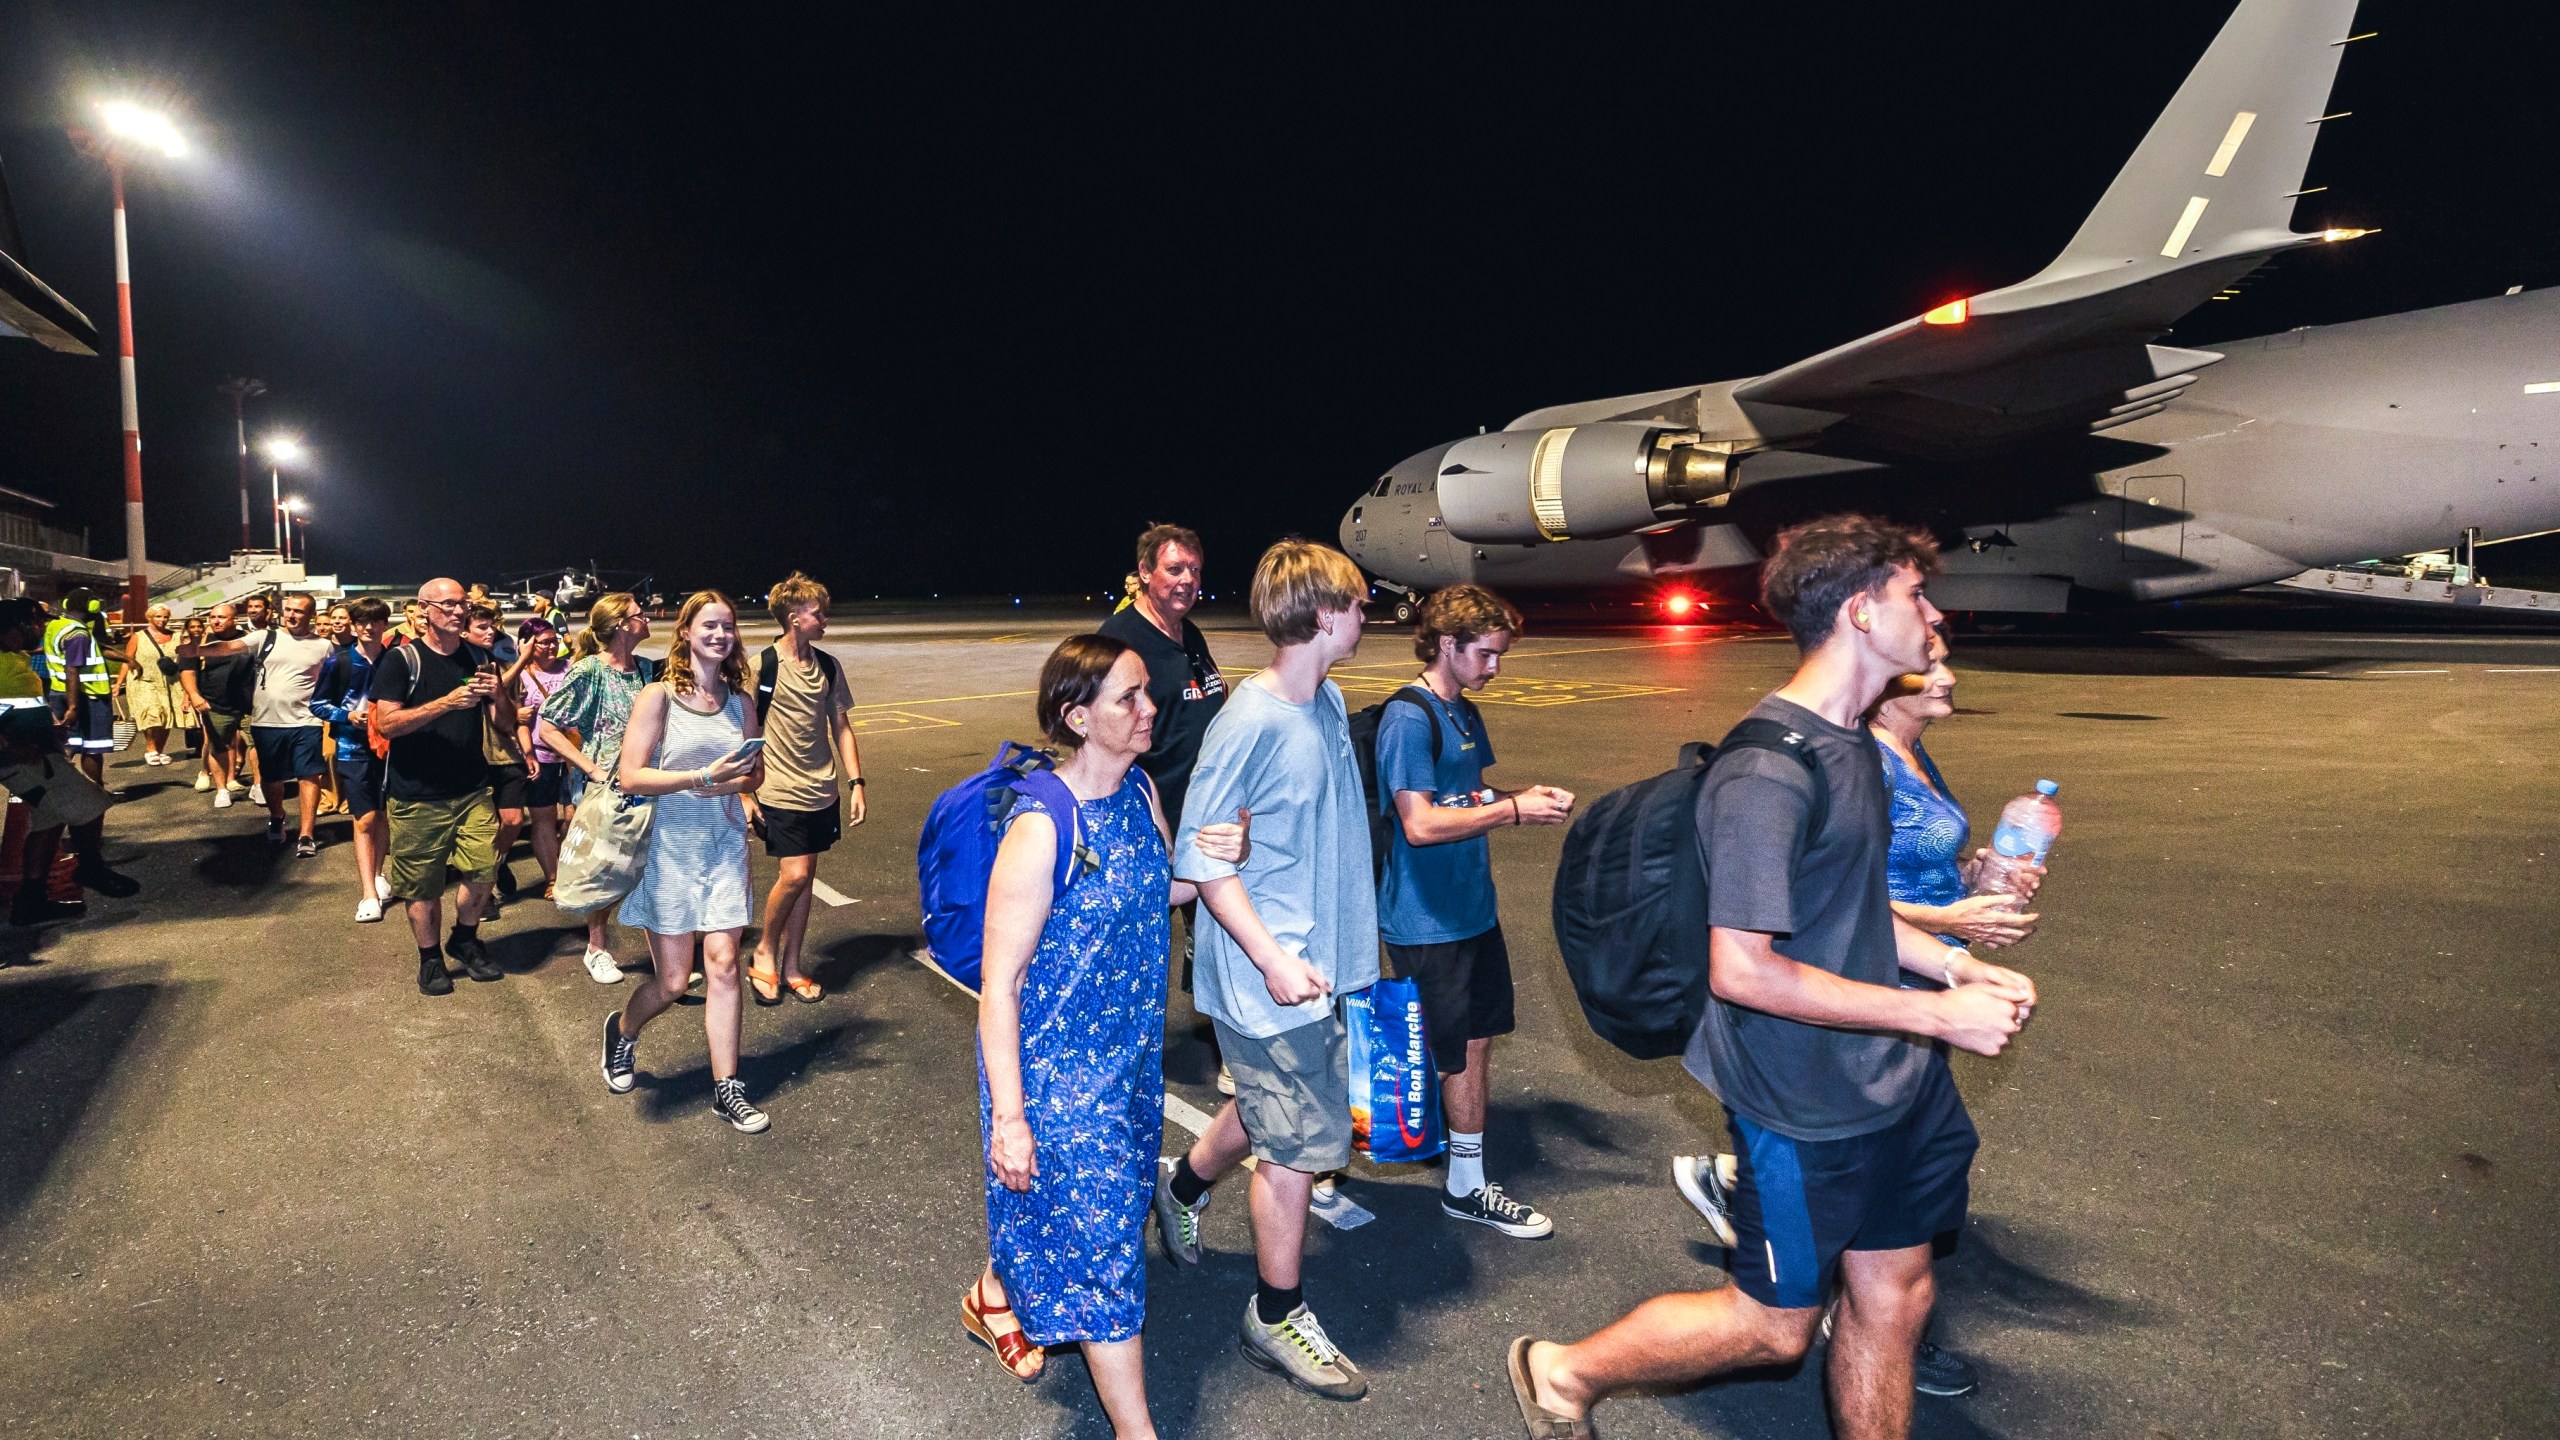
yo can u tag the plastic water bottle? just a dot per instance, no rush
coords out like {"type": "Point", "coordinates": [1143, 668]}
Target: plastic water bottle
{"type": "Point", "coordinates": [2028, 827]}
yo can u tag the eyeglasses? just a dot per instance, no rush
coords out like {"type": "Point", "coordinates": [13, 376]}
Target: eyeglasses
{"type": "Point", "coordinates": [446, 604]}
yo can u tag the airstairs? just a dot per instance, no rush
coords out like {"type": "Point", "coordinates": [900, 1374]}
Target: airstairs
{"type": "Point", "coordinates": [196, 588]}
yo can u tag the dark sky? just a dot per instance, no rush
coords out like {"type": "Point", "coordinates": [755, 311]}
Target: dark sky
{"type": "Point", "coordinates": [958, 304]}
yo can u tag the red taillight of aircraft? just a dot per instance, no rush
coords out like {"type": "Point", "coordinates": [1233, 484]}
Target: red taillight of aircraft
{"type": "Point", "coordinates": [1681, 605]}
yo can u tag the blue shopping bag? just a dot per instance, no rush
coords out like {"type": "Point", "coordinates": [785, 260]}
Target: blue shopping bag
{"type": "Point", "coordinates": [1395, 1091]}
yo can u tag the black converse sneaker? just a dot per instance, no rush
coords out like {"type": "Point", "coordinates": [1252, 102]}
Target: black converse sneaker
{"type": "Point", "coordinates": [474, 957]}
{"type": "Point", "coordinates": [729, 1102]}
{"type": "Point", "coordinates": [432, 979]}
{"type": "Point", "coordinates": [618, 1069]}
{"type": "Point", "coordinates": [1489, 1206]}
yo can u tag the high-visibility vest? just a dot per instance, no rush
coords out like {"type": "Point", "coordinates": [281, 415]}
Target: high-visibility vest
{"type": "Point", "coordinates": [93, 675]}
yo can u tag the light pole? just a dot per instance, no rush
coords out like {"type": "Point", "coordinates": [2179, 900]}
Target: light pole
{"type": "Point", "coordinates": [282, 450]}
{"type": "Point", "coordinates": [242, 391]}
{"type": "Point", "coordinates": [130, 128]}
{"type": "Point", "coordinates": [295, 509]}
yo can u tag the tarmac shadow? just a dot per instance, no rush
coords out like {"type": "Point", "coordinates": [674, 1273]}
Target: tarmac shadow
{"type": "Point", "coordinates": [60, 1037]}
{"type": "Point", "coordinates": [847, 958]}
{"type": "Point", "coordinates": [1992, 1277]}
{"type": "Point", "coordinates": [524, 951]}
{"type": "Point", "coordinates": [239, 862]}
{"type": "Point", "coordinates": [687, 1093]}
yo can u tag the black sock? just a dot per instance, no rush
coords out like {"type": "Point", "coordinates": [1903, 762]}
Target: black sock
{"type": "Point", "coordinates": [429, 953]}
{"type": "Point", "coordinates": [1272, 1303]}
{"type": "Point", "coordinates": [1187, 1186]}
{"type": "Point", "coordinates": [464, 934]}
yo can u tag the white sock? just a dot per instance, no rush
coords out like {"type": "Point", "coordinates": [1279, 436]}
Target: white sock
{"type": "Point", "coordinates": [1466, 1163]}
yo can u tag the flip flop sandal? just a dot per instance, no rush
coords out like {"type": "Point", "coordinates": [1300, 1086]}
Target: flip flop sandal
{"type": "Point", "coordinates": [1012, 1347]}
{"type": "Point", "coordinates": [767, 986]}
{"type": "Point", "coordinates": [806, 990]}
{"type": "Point", "coordinates": [1541, 1422]}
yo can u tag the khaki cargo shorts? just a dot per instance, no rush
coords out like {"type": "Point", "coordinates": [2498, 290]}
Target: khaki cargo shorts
{"type": "Point", "coordinates": [1293, 1092]}
{"type": "Point", "coordinates": [428, 835]}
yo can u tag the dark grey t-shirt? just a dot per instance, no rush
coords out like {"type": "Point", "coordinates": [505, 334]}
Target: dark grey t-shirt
{"type": "Point", "coordinates": [1824, 898]}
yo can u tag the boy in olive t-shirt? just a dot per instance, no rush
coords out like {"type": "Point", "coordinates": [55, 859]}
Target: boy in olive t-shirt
{"type": "Point", "coordinates": [807, 714]}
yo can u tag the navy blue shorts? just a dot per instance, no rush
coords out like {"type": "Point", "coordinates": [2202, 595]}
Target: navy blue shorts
{"type": "Point", "coordinates": [1797, 1204]}
{"type": "Point", "coordinates": [288, 752]}
{"type": "Point", "coordinates": [360, 782]}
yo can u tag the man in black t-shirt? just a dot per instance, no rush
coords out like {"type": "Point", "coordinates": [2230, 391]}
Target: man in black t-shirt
{"type": "Point", "coordinates": [1853, 1146]}
{"type": "Point", "coordinates": [1182, 679]}
{"type": "Point", "coordinates": [220, 690]}
{"type": "Point", "coordinates": [430, 699]}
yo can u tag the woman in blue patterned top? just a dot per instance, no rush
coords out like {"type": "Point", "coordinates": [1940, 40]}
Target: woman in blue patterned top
{"type": "Point", "coordinates": [1071, 1040]}
{"type": "Point", "coordinates": [1927, 870]}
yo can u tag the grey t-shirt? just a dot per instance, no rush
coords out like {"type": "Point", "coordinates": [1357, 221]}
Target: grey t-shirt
{"type": "Point", "coordinates": [1308, 875]}
{"type": "Point", "coordinates": [1824, 899]}
{"type": "Point", "coordinates": [287, 680]}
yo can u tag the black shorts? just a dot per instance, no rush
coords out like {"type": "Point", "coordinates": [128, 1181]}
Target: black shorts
{"type": "Point", "coordinates": [509, 786]}
{"type": "Point", "coordinates": [1466, 992]}
{"type": "Point", "coordinates": [544, 792]}
{"type": "Point", "coordinates": [1797, 1204]}
{"type": "Point", "coordinates": [288, 752]}
{"type": "Point", "coordinates": [360, 784]}
{"type": "Point", "coordinates": [802, 832]}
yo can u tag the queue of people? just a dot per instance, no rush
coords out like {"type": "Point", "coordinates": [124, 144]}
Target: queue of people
{"type": "Point", "coordinates": [1839, 956]}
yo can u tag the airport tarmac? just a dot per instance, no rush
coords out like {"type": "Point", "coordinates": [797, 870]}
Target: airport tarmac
{"type": "Point", "coordinates": [2275, 1157]}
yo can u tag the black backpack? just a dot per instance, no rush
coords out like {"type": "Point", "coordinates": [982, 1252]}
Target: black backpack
{"type": "Point", "coordinates": [1364, 750]}
{"type": "Point", "coordinates": [1631, 896]}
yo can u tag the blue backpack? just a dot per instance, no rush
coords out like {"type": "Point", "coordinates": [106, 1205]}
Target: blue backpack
{"type": "Point", "coordinates": [957, 852]}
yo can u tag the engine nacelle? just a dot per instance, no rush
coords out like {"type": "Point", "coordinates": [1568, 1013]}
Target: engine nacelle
{"type": "Point", "coordinates": [1577, 482]}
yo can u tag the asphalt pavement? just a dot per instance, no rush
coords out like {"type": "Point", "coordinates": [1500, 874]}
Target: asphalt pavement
{"type": "Point", "coordinates": [2275, 1157]}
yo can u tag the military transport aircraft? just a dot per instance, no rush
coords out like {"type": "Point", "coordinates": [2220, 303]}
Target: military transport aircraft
{"type": "Point", "coordinates": [2054, 446]}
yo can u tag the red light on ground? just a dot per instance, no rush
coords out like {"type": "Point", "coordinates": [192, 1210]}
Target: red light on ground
{"type": "Point", "coordinates": [1679, 605]}
{"type": "Point", "coordinates": [1951, 313]}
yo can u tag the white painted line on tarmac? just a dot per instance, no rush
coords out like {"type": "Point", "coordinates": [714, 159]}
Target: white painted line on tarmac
{"type": "Point", "coordinates": [829, 893]}
{"type": "Point", "coordinates": [2408, 672]}
{"type": "Point", "coordinates": [2524, 670]}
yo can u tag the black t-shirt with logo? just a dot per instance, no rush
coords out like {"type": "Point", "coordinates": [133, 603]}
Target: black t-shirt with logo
{"type": "Point", "coordinates": [1187, 690]}
{"type": "Point", "coordinates": [442, 759]}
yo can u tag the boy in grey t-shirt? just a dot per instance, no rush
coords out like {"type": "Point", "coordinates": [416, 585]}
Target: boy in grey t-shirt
{"type": "Point", "coordinates": [1297, 929]}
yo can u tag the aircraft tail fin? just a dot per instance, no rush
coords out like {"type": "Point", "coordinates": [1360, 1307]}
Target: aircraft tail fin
{"type": "Point", "coordinates": [2220, 168]}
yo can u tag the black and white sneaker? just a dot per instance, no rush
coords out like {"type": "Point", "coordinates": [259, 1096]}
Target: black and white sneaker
{"type": "Point", "coordinates": [619, 1073]}
{"type": "Point", "coordinates": [1489, 1206]}
{"type": "Point", "coordinates": [1942, 1372]}
{"type": "Point", "coordinates": [305, 847]}
{"type": "Point", "coordinates": [1702, 1184]}
{"type": "Point", "coordinates": [729, 1102]}
{"type": "Point", "coordinates": [474, 957]}
{"type": "Point", "coordinates": [275, 832]}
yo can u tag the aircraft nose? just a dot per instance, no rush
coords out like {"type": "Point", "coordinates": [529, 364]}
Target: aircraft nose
{"type": "Point", "coordinates": [1353, 533]}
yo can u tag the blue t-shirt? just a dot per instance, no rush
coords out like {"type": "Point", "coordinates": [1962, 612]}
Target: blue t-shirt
{"type": "Point", "coordinates": [1434, 893]}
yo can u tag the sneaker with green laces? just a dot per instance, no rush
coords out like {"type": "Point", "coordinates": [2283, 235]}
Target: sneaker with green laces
{"type": "Point", "coordinates": [1298, 1350]}
{"type": "Point", "coordinates": [1177, 1224]}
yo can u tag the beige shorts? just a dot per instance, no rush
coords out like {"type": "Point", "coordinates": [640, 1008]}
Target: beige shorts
{"type": "Point", "coordinates": [1293, 1092]}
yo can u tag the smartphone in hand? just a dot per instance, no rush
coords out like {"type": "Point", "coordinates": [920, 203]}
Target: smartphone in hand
{"type": "Point", "coordinates": [748, 752]}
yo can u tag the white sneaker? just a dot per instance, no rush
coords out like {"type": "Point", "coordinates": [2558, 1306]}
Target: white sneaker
{"type": "Point", "coordinates": [368, 911]}
{"type": "Point", "coordinates": [257, 795]}
{"type": "Point", "coordinates": [221, 799]}
{"type": "Point", "coordinates": [382, 888]}
{"type": "Point", "coordinates": [204, 782]}
{"type": "Point", "coordinates": [603, 969]}
{"type": "Point", "coordinates": [1226, 1080]}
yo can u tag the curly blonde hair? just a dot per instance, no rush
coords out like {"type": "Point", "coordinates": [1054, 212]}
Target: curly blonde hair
{"type": "Point", "coordinates": [680, 677]}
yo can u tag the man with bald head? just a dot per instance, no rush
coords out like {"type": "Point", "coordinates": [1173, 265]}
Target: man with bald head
{"type": "Point", "coordinates": [430, 700]}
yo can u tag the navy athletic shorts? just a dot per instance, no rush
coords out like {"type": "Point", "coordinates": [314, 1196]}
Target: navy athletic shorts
{"type": "Point", "coordinates": [1797, 1204]}
{"type": "Point", "coordinates": [288, 752]}
{"type": "Point", "coordinates": [360, 782]}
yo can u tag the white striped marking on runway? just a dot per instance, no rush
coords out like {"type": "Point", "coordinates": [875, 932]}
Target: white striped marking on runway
{"type": "Point", "coordinates": [829, 893]}
{"type": "Point", "coordinates": [2524, 670]}
{"type": "Point", "coordinates": [2408, 672]}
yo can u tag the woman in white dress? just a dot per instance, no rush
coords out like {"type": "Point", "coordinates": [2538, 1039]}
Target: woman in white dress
{"type": "Point", "coordinates": [683, 748]}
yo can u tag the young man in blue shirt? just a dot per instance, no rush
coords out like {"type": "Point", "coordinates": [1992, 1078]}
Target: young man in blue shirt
{"type": "Point", "coordinates": [1435, 902]}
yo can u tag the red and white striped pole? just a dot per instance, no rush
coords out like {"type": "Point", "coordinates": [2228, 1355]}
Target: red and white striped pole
{"type": "Point", "coordinates": [137, 585]}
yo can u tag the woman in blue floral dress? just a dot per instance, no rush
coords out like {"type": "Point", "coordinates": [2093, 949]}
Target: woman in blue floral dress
{"type": "Point", "coordinates": [1071, 1038]}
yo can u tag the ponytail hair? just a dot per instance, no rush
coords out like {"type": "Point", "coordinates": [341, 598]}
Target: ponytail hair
{"type": "Point", "coordinates": [605, 617]}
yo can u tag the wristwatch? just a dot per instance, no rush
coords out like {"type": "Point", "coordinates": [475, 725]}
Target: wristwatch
{"type": "Point", "coordinates": [856, 780]}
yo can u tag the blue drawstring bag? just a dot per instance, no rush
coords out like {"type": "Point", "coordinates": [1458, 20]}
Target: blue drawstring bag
{"type": "Point", "coordinates": [1395, 1089]}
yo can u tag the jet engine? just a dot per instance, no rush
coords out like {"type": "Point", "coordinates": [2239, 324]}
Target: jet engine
{"type": "Point", "coordinates": [1578, 482]}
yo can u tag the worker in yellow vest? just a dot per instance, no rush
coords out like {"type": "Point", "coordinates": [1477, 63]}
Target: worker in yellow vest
{"type": "Point", "coordinates": [55, 797]}
{"type": "Point", "coordinates": [76, 656]}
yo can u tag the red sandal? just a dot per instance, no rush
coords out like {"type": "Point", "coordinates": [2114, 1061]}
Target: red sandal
{"type": "Point", "coordinates": [1012, 1347]}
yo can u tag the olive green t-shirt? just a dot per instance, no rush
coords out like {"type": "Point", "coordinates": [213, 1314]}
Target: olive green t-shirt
{"type": "Point", "coordinates": [799, 736]}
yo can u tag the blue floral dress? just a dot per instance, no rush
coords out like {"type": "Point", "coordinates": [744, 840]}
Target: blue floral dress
{"type": "Point", "coordinates": [1071, 1250]}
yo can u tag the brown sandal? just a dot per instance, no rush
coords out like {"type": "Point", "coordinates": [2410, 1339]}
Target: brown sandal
{"type": "Point", "coordinates": [1012, 1347]}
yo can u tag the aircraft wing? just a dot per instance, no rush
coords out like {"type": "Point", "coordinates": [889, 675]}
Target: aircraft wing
{"type": "Point", "coordinates": [2207, 198]}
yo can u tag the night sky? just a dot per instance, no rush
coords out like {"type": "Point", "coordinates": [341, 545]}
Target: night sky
{"type": "Point", "coordinates": [957, 305]}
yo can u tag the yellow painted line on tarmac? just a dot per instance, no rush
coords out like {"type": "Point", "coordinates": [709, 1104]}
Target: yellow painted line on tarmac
{"type": "Point", "coordinates": [947, 700]}
{"type": "Point", "coordinates": [887, 722]}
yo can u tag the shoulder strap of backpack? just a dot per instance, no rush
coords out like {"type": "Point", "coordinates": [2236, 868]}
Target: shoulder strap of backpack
{"type": "Point", "coordinates": [1758, 732]}
{"type": "Point", "coordinates": [1074, 859]}
{"type": "Point", "coordinates": [768, 671]}
{"type": "Point", "coordinates": [266, 647]}
{"type": "Point", "coordinates": [1420, 699]}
